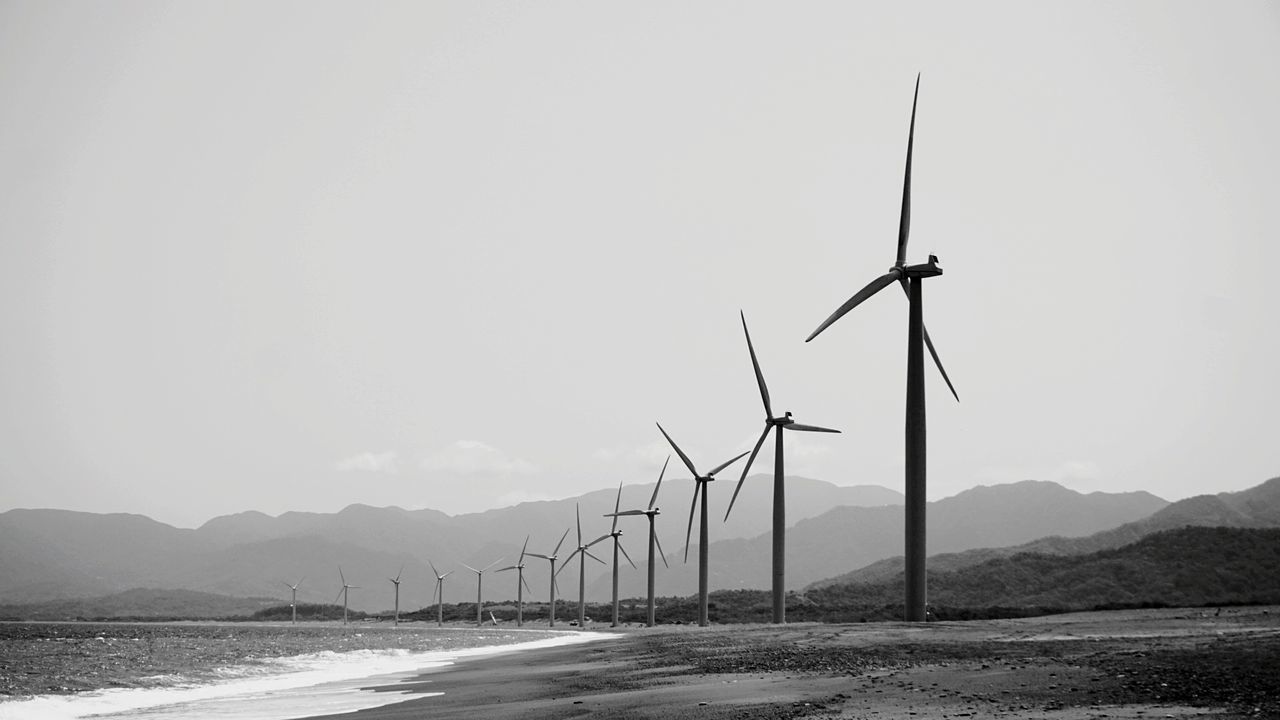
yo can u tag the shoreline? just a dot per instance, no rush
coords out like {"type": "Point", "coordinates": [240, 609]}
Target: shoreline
{"type": "Point", "coordinates": [1179, 663]}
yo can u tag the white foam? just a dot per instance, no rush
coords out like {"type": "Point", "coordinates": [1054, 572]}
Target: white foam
{"type": "Point", "coordinates": [321, 683]}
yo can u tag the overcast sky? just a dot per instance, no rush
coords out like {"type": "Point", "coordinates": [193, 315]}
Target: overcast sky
{"type": "Point", "coordinates": [457, 255]}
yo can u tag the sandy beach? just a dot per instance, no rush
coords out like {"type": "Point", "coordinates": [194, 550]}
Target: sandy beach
{"type": "Point", "coordinates": [1120, 664]}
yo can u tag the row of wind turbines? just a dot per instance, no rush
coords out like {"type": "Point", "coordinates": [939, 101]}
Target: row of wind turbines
{"type": "Point", "coordinates": [910, 278]}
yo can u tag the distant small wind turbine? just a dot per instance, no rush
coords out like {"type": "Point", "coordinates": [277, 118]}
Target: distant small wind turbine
{"type": "Point", "coordinates": [911, 278]}
{"type": "Point", "coordinates": [653, 540]}
{"type": "Point", "coordinates": [699, 488]}
{"type": "Point", "coordinates": [293, 601]}
{"type": "Point", "coordinates": [584, 553]}
{"type": "Point", "coordinates": [396, 581]}
{"type": "Point", "coordinates": [552, 558]}
{"type": "Point", "coordinates": [779, 489]}
{"type": "Point", "coordinates": [479, 584]}
{"type": "Point", "coordinates": [521, 584]}
{"type": "Point", "coordinates": [438, 594]}
{"type": "Point", "coordinates": [616, 534]}
{"type": "Point", "coordinates": [343, 593]}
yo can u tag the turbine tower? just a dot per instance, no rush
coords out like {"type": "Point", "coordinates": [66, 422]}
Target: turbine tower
{"type": "Point", "coordinates": [653, 537]}
{"type": "Point", "coordinates": [479, 584]}
{"type": "Point", "coordinates": [293, 601]}
{"type": "Point", "coordinates": [700, 483]}
{"type": "Point", "coordinates": [521, 583]}
{"type": "Point", "coordinates": [552, 558]}
{"type": "Point", "coordinates": [343, 593]}
{"type": "Point", "coordinates": [583, 552]}
{"type": "Point", "coordinates": [438, 594]}
{"type": "Point", "coordinates": [911, 278]}
{"type": "Point", "coordinates": [396, 581]}
{"type": "Point", "coordinates": [779, 489]}
{"type": "Point", "coordinates": [616, 534]}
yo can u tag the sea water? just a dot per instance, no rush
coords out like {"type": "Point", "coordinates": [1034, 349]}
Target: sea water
{"type": "Point", "coordinates": [275, 688]}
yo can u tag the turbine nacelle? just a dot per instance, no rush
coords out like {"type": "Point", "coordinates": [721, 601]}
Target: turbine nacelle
{"type": "Point", "coordinates": [923, 270]}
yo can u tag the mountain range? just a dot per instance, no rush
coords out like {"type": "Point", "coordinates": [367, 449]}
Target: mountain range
{"type": "Point", "coordinates": [838, 534]}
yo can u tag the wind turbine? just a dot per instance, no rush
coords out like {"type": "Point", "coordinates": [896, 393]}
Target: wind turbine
{"type": "Point", "coordinates": [700, 483]}
{"type": "Point", "coordinates": [779, 490]}
{"type": "Point", "coordinates": [521, 584]}
{"type": "Point", "coordinates": [439, 593]}
{"type": "Point", "coordinates": [293, 601]}
{"type": "Point", "coordinates": [616, 534]}
{"type": "Point", "coordinates": [583, 552]}
{"type": "Point", "coordinates": [653, 538]}
{"type": "Point", "coordinates": [343, 593]}
{"type": "Point", "coordinates": [911, 278]}
{"type": "Point", "coordinates": [396, 581]}
{"type": "Point", "coordinates": [552, 557]}
{"type": "Point", "coordinates": [480, 583]}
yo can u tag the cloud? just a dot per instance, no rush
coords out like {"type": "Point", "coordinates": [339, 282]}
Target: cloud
{"type": "Point", "coordinates": [471, 458]}
{"type": "Point", "coordinates": [385, 462]}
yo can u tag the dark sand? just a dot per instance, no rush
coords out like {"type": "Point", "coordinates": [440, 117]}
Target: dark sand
{"type": "Point", "coordinates": [1122, 664]}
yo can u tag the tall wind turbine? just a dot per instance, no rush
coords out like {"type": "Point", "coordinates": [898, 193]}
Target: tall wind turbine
{"type": "Point", "coordinates": [653, 538]}
{"type": "Point", "coordinates": [911, 278]}
{"type": "Point", "coordinates": [479, 583]}
{"type": "Point", "coordinates": [343, 593]}
{"type": "Point", "coordinates": [700, 483]}
{"type": "Point", "coordinates": [293, 601]}
{"type": "Point", "coordinates": [616, 534]}
{"type": "Point", "coordinates": [552, 557]}
{"type": "Point", "coordinates": [779, 490]}
{"type": "Point", "coordinates": [583, 552]}
{"type": "Point", "coordinates": [521, 584]}
{"type": "Point", "coordinates": [438, 595]}
{"type": "Point", "coordinates": [396, 581]}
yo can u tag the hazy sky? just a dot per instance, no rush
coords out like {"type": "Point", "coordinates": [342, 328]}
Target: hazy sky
{"type": "Point", "coordinates": [287, 256]}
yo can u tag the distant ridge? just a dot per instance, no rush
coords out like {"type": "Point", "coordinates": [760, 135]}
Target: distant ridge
{"type": "Point", "coordinates": [1190, 566]}
{"type": "Point", "coordinates": [146, 603]}
{"type": "Point", "coordinates": [48, 555]}
{"type": "Point", "coordinates": [1256, 507]}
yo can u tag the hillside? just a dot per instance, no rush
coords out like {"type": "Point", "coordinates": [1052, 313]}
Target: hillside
{"type": "Point", "coordinates": [1256, 507]}
{"type": "Point", "coordinates": [846, 538]}
{"type": "Point", "coordinates": [1190, 566]}
{"type": "Point", "coordinates": [140, 603]}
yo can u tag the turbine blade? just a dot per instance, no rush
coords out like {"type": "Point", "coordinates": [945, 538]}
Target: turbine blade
{"type": "Point", "coordinates": [929, 344]}
{"type": "Point", "coordinates": [435, 593]}
{"type": "Point", "coordinates": [304, 577]}
{"type": "Point", "coordinates": [602, 537]}
{"type": "Point", "coordinates": [654, 498]}
{"type": "Point", "coordinates": [469, 568]}
{"type": "Point", "coordinates": [578, 514]}
{"type": "Point", "coordinates": [562, 537]}
{"type": "Point", "coordinates": [764, 389]}
{"type": "Point", "coordinates": [625, 513]}
{"type": "Point", "coordinates": [750, 460]}
{"type": "Point", "coordinates": [809, 428]}
{"type": "Point", "coordinates": [661, 554]}
{"type": "Point", "coordinates": [687, 462]}
{"type": "Point", "coordinates": [593, 557]}
{"type": "Point", "coordinates": [495, 562]}
{"type": "Point", "coordinates": [565, 564]}
{"type": "Point", "coordinates": [616, 504]}
{"type": "Point", "coordinates": [872, 288]}
{"type": "Point", "coordinates": [282, 582]}
{"type": "Point", "coordinates": [904, 221]}
{"type": "Point", "coordinates": [509, 567]}
{"type": "Point", "coordinates": [335, 597]}
{"type": "Point", "coordinates": [697, 485]}
{"type": "Point", "coordinates": [625, 555]}
{"type": "Point", "coordinates": [539, 555]}
{"type": "Point", "coordinates": [522, 549]}
{"type": "Point", "coordinates": [344, 577]}
{"type": "Point", "coordinates": [446, 575]}
{"type": "Point", "coordinates": [526, 584]}
{"type": "Point", "coordinates": [726, 464]}
{"type": "Point", "coordinates": [555, 586]}
{"type": "Point", "coordinates": [400, 572]}
{"type": "Point", "coordinates": [433, 568]}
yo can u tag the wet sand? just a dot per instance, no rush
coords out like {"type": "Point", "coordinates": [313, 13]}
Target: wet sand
{"type": "Point", "coordinates": [1123, 664]}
